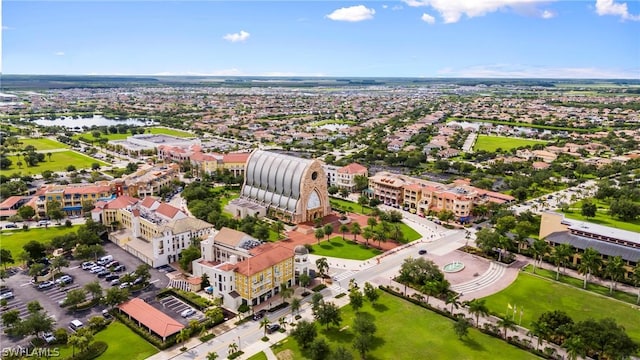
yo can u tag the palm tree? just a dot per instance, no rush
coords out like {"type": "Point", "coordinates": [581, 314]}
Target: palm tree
{"type": "Point", "coordinates": [478, 307]}
{"type": "Point", "coordinates": [615, 270]}
{"type": "Point", "coordinates": [264, 323]}
{"type": "Point", "coordinates": [283, 322]}
{"type": "Point", "coordinates": [49, 156]}
{"type": "Point", "coordinates": [506, 324]}
{"type": "Point", "coordinates": [343, 229]}
{"type": "Point", "coordinates": [285, 292]}
{"type": "Point", "coordinates": [367, 234]}
{"type": "Point", "coordinates": [278, 227]}
{"type": "Point", "coordinates": [295, 305]}
{"type": "Point", "coordinates": [590, 262]}
{"type": "Point", "coordinates": [453, 299]}
{"type": "Point", "coordinates": [380, 236]}
{"type": "Point", "coordinates": [319, 234]}
{"type": "Point", "coordinates": [355, 230]}
{"type": "Point", "coordinates": [372, 222]}
{"type": "Point", "coordinates": [538, 248]}
{"type": "Point", "coordinates": [233, 348]}
{"type": "Point", "coordinates": [575, 347]}
{"type": "Point", "coordinates": [328, 230]}
{"type": "Point", "coordinates": [430, 288]}
{"type": "Point", "coordinates": [212, 356]}
{"type": "Point", "coordinates": [636, 280]}
{"type": "Point", "coordinates": [561, 253]}
{"type": "Point", "coordinates": [183, 336]}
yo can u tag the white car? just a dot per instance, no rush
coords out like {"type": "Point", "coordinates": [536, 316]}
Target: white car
{"type": "Point", "coordinates": [7, 296]}
{"type": "Point", "coordinates": [97, 269]}
{"type": "Point", "coordinates": [87, 265]}
{"type": "Point", "coordinates": [48, 337]}
{"type": "Point", "coordinates": [187, 313]}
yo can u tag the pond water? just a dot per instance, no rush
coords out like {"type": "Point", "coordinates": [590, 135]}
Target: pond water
{"type": "Point", "coordinates": [97, 120]}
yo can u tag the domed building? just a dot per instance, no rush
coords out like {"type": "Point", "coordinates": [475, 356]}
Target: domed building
{"type": "Point", "coordinates": [284, 187]}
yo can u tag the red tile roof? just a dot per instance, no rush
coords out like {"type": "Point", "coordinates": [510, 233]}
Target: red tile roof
{"type": "Point", "coordinates": [353, 168]}
{"type": "Point", "coordinates": [264, 260]}
{"type": "Point", "coordinates": [167, 210]}
{"type": "Point", "coordinates": [148, 202]}
{"type": "Point", "coordinates": [235, 157]}
{"type": "Point", "coordinates": [121, 202]}
{"type": "Point", "coordinates": [154, 319]}
{"type": "Point", "coordinates": [92, 189]}
{"type": "Point", "coordinates": [10, 201]}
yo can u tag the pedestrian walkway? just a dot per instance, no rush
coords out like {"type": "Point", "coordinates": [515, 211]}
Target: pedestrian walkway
{"type": "Point", "coordinates": [495, 272]}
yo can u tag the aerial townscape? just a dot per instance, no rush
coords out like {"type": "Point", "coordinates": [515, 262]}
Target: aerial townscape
{"type": "Point", "coordinates": [409, 180]}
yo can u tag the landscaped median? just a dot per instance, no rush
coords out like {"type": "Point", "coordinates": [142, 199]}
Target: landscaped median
{"type": "Point", "coordinates": [345, 249]}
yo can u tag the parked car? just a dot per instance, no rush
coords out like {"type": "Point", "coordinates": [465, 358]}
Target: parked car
{"type": "Point", "coordinates": [97, 269]}
{"type": "Point", "coordinates": [64, 279]}
{"type": "Point", "coordinates": [45, 285]}
{"type": "Point", "coordinates": [106, 314]}
{"type": "Point", "coordinates": [259, 315]}
{"type": "Point", "coordinates": [48, 337]}
{"type": "Point", "coordinates": [103, 273]}
{"type": "Point", "coordinates": [115, 282]}
{"type": "Point", "coordinates": [119, 268]}
{"type": "Point", "coordinates": [11, 226]}
{"type": "Point", "coordinates": [111, 277]}
{"type": "Point", "coordinates": [113, 263]}
{"type": "Point", "coordinates": [61, 302]}
{"type": "Point", "coordinates": [138, 280]}
{"type": "Point", "coordinates": [87, 265]}
{"type": "Point", "coordinates": [271, 328]}
{"type": "Point", "coordinates": [188, 312]}
{"type": "Point", "coordinates": [125, 285]}
{"type": "Point", "coordinates": [422, 252]}
{"type": "Point", "coordinates": [7, 295]}
{"type": "Point", "coordinates": [44, 223]}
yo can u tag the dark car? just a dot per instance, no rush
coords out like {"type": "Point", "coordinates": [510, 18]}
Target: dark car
{"type": "Point", "coordinates": [11, 226]}
{"type": "Point", "coordinates": [120, 268]}
{"type": "Point", "coordinates": [271, 328]}
{"type": "Point", "coordinates": [104, 273]}
{"type": "Point", "coordinates": [422, 252]}
{"type": "Point", "coordinates": [112, 276]}
{"type": "Point", "coordinates": [259, 315]}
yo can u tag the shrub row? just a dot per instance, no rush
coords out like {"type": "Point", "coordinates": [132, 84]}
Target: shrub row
{"type": "Point", "coordinates": [153, 339]}
{"type": "Point", "coordinates": [93, 351]}
{"type": "Point", "coordinates": [192, 299]}
{"type": "Point", "coordinates": [319, 287]}
{"type": "Point", "coordinates": [282, 305]}
{"type": "Point", "coordinates": [207, 337]}
{"type": "Point", "coordinates": [235, 355]}
{"type": "Point", "coordinates": [87, 304]}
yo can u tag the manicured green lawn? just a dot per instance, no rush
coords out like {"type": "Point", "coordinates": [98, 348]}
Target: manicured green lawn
{"type": "Point", "coordinates": [349, 206]}
{"type": "Point", "coordinates": [259, 356]}
{"type": "Point", "coordinates": [536, 295]}
{"type": "Point", "coordinates": [408, 234]}
{"type": "Point", "coordinates": [44, 144]}
{"type": "Point", "coordinates": [172, 132]}
{"type": "Point", "coordinates": [339, 248]}
{"type": "Point", "coordinates": [124, 343]}
{"type": "Point", "coordinates": [407, 331]}
{"type": "Point", "coordinates": [14, 240]}
{"type": "Point", "coordinates": [154, 130]}
{"type": "Point", "coordinates": [491, 143]}
{"type": "Point", "coordinates": [603, 218]}
{"type": "Point", "coordinates": [59, 162]}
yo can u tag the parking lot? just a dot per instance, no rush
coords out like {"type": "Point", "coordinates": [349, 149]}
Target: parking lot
{"type": "Point", "coordinates": [24, 291]}
{"type": "Point", "coordinates": [173, 307]}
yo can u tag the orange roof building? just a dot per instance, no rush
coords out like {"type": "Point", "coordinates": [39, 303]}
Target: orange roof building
{"type": "Point", "coordinates": [151, 318]}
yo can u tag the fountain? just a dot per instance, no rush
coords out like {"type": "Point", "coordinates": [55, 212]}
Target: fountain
{"type": "Point", "coordinates": [452, 267]}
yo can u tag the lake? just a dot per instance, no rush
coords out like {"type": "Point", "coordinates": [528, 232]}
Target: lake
{"type": "Point", "coordinates": [97, 120]}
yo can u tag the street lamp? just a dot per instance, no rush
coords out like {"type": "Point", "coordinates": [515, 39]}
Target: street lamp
{"type": "Point", "coordinates": [239, 344]}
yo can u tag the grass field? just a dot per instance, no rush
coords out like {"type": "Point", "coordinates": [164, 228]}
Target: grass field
{"type": "Point", "coordinates": [492, 143]}
{"type": "Point", "coordinates": [59, 162]}
{"type": "Point", "coordinates": [407, 331]}
{"type": "Point", "coordinates": [537, 295]}
{"type": "Point", "coordinates": [408, 234]}
{"type": "Point", "coordinates": [521, 124]}
{"type": "Point", "coordinates": [124, 343]}
{"type": "Point", "coordinates": [344, 249]}
{"type": "Point", "coordinates": [14, 240]}
{"type": "Point", "coordinates": [154, 130]}
{"type": "Point", "coordinates": [44, 144]}
{"type": "Point", "coordinates": [348, 206]}
{"type": "Point", "coordinates": [259, 356]}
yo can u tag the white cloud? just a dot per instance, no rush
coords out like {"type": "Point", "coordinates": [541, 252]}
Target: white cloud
{"type": "Point", "coordinates": [610, 7]}
{"type": "Point", "coordinates": [452, 10]}
{"type": "Point", "coordinates": [5, 27]}
{"type": "Point", "coordinates": [548, 14]}
{"type": "Point", "coordinates": [384, 6]}
{"type": "Point", "coordinates": [524, 71]}
{"type": "Point", "coordinates": [59, 53]}
{"type": "Point", "coordinates": [352, 14]}
{"type": "Point", "coordinates": [397, 7]}
{"type": "Point", "coordinates": [428, 19]}
{"type": "Point", "coordinates": [237, 37]}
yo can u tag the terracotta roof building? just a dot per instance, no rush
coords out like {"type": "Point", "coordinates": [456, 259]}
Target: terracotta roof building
{"type": "Point", "coordinates": [344, 177]}
{"type": "Point", "coordinates": [157, 322]}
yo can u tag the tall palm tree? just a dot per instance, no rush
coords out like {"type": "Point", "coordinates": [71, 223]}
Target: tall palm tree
{"type": "Point", "coordinates": [561, 253]}
{"type": "Point", "coordinates": [233, 348]}
{"type": "Point", "coordinates": [430, 288]}
{"type": "Point", "coordinates": [538, 249]}
{"type": "Point", "coordinates": [355, 230]}
{"type": "Point", "coordinates": [615, 271]}
{"type": "Point", "coordinates": [278, 227]}
{"type": "Point", "coordinates": [212, 356]}
{"type": "Point", "coordinates": [575, 347]}
{"type": "Point", "coordinates": [380, 236]}
{"type": "Point", "coordinates": [636, 280]}
{"type": "Point", "coordinates": [590, 262]}
{"type": "Point", "coordinates": [343, 229]}
{"type": "Point", "coordinates": [478, 307]}
{"type": "Point", "coordinates": [319, 234]}
{"type": "Point", "coordinates": [506, 324]}
{"type": "Point", "coordinates": [183, 336]}
{"type": "Point", "coordinates": [264, 323]}
{"type": "Point", "coordinates": [453, 299]}
{"type": "Point", "coordinates": [285, 292]}
{"type": "Point", "coordinates": [367, 234]}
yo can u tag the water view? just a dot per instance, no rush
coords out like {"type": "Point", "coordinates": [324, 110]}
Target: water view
{"type": "Point", "coordinates": [96, 120]}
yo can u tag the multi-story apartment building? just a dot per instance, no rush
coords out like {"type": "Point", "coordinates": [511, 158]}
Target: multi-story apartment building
{"type": "Point", "coordinates": [343, 177]}
{"type": "Point", "coordinates": [71, 197]}
{"type": "Point", "coordinates": [243, 270]}
{"type": "Point", "coordinates": [153, 231]}
{"type": "Point", "coordinates": [206, 162]}
{"type": "Point", "coordinates": [422, 196]}
{"type": "Point", "coordinates": [147, 181]}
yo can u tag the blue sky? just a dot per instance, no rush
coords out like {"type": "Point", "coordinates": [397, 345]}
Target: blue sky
{"type": "Point", "coordinates": [411, 38]}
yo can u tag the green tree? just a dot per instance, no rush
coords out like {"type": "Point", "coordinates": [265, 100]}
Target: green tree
{"type": "Point", "coordinates": [453, 299]}
{"type": "Point", "coordinates": [6, 258]}
{"type": "Point", "coordinates": [363, 201]}
{"type": "Point", "coordinates": [636, 280]}
{"type": "Point", "coordinates": [285, 292]}
{"type": "Point", "coordinates": [278, 227]}
{"type": "Point", "coordinates": [341, 353]}
{"type": "Point", "coordinates": [327, 314]}
{"type": "Point", "coordinates": [539, 248]}
{"type": "Point", "coordinates": [355, 230]}
{"type": "Point", "coordinates": [304, 333]}
{"type": "Point", "coordinates": [188, 255]}
{"type": "Point", "coordinates": [477, 308]}
{"type": "Point", "coordinates": [615, 270]}
{"type": "Point", "coordinates": [343, 229]}
{"type": "Point", "coordinates": [319, 349]}
{"type": "Point", "coordinates": [461, 327]}
{"type": "Point", "coordinates": [212, 356]}
{"type": "Point", "coordinates": [588, 209]}
{"type": "Point", "coordinates": [35, 250]}
{"type": "Point", "coordinates": [574, 347]}
{"type": "Point", "coordinates": [316, 300]}
{"type": "Point", "coordinates": [26, 212]}
{"type": "Point", "coordinates": [35, 269]}
{"type": "Point", "coordinates": [560, 256]}
{"type": "Point", "coordinates": [264, 323]}
{"type": "Point", "coordinates": [319, 234]}
{"type": "Point", "coordinates": [328, 230]}
{"type": "Point", "coordinates": [80, 339]}
{"type": "Point", "coordinates": [363, 343]}
{"type": "Point", "coordinates": [54, 210]}
{"type": "Point", "coordinates": [356, 299]}
{"type": "Point", "coordinates": [75, 297]}
{"type": "Point", "coordinates": [506, 324]}
{"type": "Point", "coordinates": [367, 234]}
{"type": "Point", "coordinates": [363, 324]}
{"type": "Point", "coordinates": [58, 263]}
{"type": "Point", "coordinates": [10, 318]}
{"type": "Point", "coordinates": [295, 305]}
{"type": "Point", "coordinates": [590, 262]}
{"type": "Point", "coordinates": [116, 296]}
{"type": "Point", "coordinates": [304, 279]}
{"type": "Point", "coordinates": [183, 336]}
{"type": "Point", "coordinates": [233, 348]}
{"type": "Point", "coordinates": [370, 292]}
{"type": "Point", "coordinates": [94, 289]}
{"type": "Point", "coordinates": [323, 266]}
{"type": "Point", "coordinates": [505, 224]}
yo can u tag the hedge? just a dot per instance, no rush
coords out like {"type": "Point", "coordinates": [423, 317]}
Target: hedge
{"type": "Point", "coordinates": [207, 337]}
{"type": "Point", "coordinates": [235, 355]}
{"type": "Point", "coordinates": [319, 287]}
{"type": "Point", "coordinates": [93, 351]}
